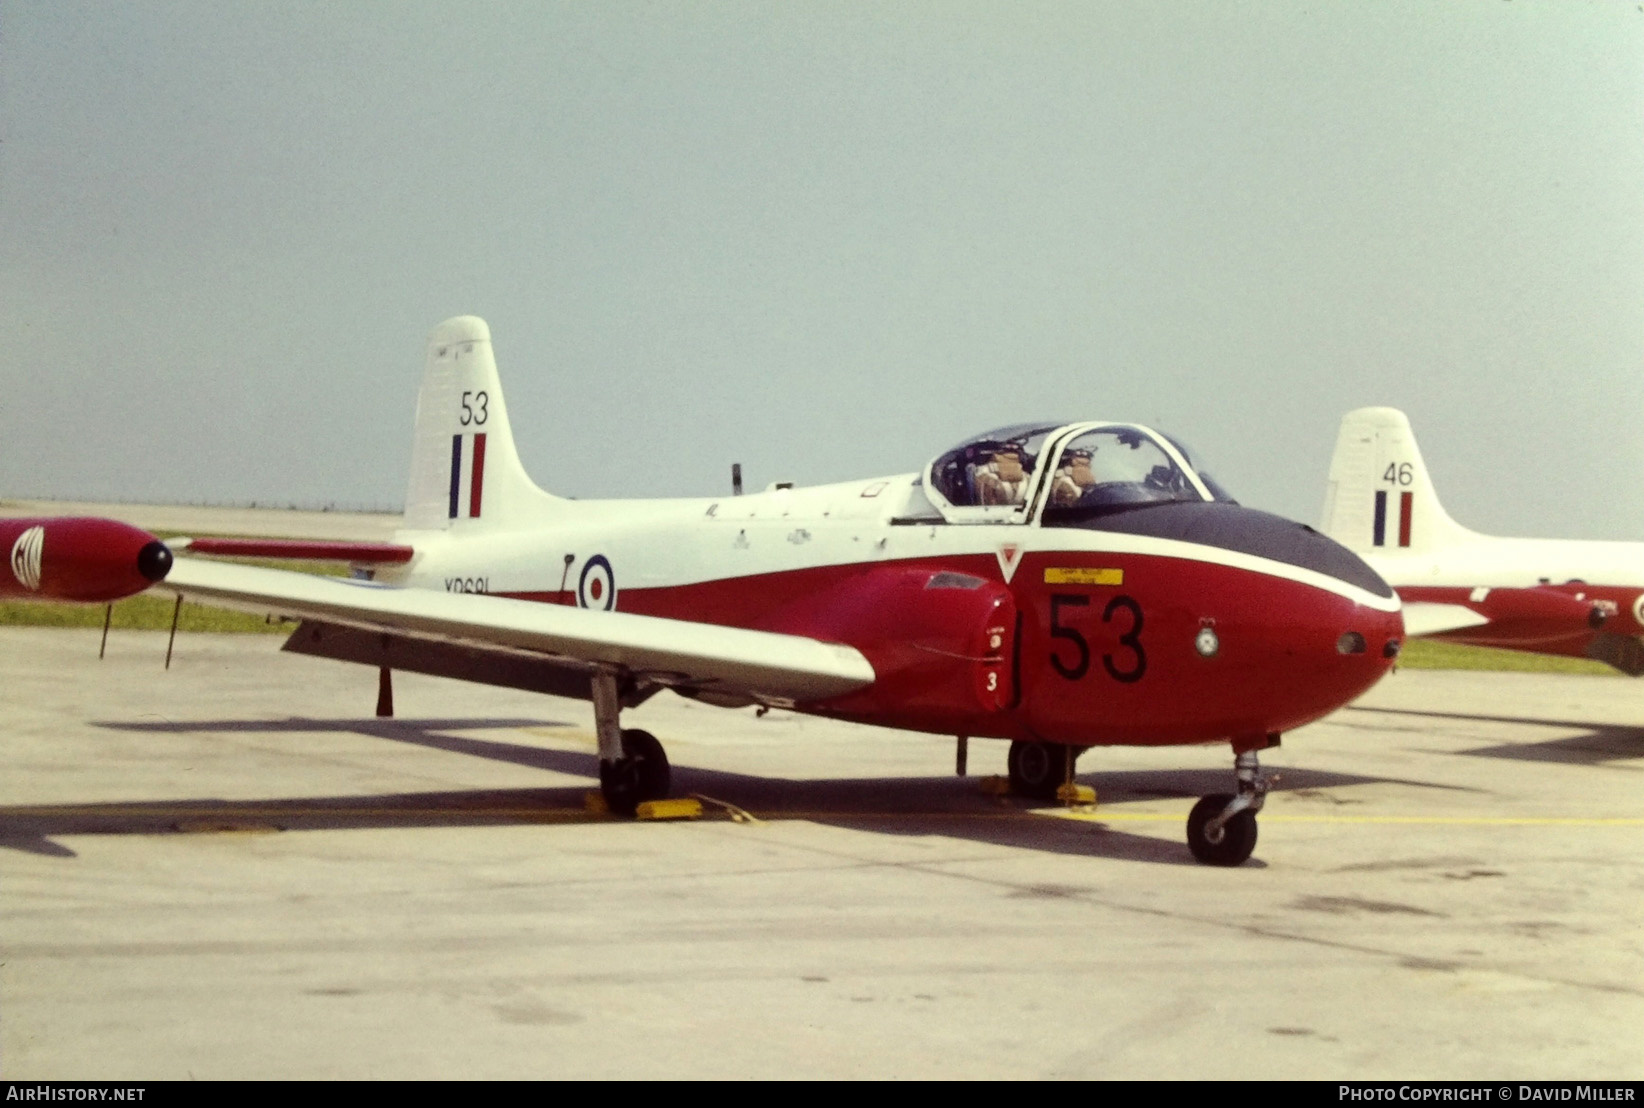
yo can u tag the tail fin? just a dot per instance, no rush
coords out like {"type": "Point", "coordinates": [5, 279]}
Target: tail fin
{"type": "Point", "coordinates": [464, 469]}
{"type": "Point", "coordinates": [1380, 497]}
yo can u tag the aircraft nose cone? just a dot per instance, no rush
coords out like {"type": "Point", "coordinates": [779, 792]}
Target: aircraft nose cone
{"type": "Point", "coordinates": [1384, 632]}
{"type": "Point", "coordinates": [1374, 632]}
{"type": "Point", "coordinates": [154, 561]}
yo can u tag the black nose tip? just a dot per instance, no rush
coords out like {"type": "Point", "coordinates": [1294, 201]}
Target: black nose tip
{"type": "Point", "coordinates": [154, 561]}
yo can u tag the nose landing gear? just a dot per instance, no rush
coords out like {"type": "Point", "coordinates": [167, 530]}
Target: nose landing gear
{"type": "Point", "coordinates": [1221, 829]}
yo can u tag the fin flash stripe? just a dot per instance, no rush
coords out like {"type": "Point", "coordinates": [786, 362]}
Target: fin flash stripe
{"type": "Point", "coordinates": [476, 478]}
{"type": "Point", "coordinates": [477, 487]}
{"type": "Point", "coordinates": [456, 474]}
{"type": "Point", "coordinates": [1406, 504]}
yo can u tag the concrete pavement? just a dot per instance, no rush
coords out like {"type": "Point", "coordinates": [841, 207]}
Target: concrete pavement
{"type": "Point", "coordinates": [232, 870]}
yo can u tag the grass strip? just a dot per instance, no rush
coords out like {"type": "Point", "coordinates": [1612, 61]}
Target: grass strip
{"type": "Point", "coordinates": [152, 612]}
{"type": "Point", "coordinates": [1435, 654]}
{"type": "Point", "coordinates": [135, 613]}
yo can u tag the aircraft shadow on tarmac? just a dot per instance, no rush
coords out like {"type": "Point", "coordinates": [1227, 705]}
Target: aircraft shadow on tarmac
{"type": "Point", "coordinates": [942, 805]}
{"type": "Point", "coordinates": [1596, 745]}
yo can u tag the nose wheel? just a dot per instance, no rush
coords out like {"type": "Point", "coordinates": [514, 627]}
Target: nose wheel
{"type": "Point", "coordinates": [1221, 829]}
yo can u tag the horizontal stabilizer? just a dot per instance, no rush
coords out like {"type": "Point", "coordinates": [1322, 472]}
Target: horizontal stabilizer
{"type": "Point", "coordinates": [676, 653]}
{"type": "Point", "coordinates": [360, 553]}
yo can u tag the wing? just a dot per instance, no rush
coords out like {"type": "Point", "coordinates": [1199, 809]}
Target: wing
{"type": "Point", "coordinates": [1521, 618]}
{"type": "Point", "coordinates": [1423, 617]}
{"type": "Point", "coordinates": [692, 656]}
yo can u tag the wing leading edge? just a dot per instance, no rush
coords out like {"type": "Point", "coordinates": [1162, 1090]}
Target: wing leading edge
{"type": "Point", "coordinates": [761, 664]}
{"type": "Point", "coordinates": [1423, 618]}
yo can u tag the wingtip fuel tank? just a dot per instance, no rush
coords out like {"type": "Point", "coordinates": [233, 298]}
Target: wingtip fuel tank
{"type": "Point", "coordinates": [81, 559]}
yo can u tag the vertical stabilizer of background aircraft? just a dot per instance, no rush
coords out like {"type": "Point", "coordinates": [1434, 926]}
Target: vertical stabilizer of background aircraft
{"type": "Point", "coordinates": [465, 471]}
{"type": "Point", "coordinates": [1573, 597]}
{"type": "Point", "coordinates": [1380, 498]}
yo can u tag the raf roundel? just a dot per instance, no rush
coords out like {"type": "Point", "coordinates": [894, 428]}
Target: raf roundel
{"type": "Point", "coordinates": [596, 588]}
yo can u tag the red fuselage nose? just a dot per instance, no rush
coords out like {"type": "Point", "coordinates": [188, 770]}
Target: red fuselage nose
{"type": "Point", "coordinates": [1260, 625]}
{"type": "Point", "coordinates": [1187, 651]}
{"type": "Point", "coordinates": [1309, 654]}
{"type": "Point", "coordinates": [78, 559]}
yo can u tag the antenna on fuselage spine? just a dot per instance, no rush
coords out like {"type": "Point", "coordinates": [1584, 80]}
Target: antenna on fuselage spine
{"type": "Point", "coordinates": [736, 478]}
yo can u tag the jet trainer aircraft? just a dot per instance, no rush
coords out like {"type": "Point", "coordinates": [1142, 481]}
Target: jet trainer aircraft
{"type": "Point", "coordinates": [1058, 585]}
{"type": "Point", "coordinates": [1582, 598]}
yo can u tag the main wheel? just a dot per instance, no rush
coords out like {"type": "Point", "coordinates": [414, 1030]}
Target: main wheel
{"type": "Point", "coordinates": [641, 773]}
{"type": "Point", "coordinates": [1037, 769]}
{"type": "Point", "coordinates": [1238, 835]}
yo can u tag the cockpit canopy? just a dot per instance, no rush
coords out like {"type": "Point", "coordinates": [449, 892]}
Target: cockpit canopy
{"type": "Point", "coordinates": [991, 469]}
{"type": "Point", "coordinates": [1073, 467]}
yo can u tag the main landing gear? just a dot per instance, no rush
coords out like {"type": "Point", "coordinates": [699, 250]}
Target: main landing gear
{"type": "Point", "coordinates": [633, 767]}
{"type": "Point", "coordinates": [1221, 829]}
{"type": "Point", "coordinates": [1039, 769]}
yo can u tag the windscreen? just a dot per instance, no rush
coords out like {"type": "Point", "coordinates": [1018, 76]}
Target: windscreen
{"type": "Point", "coordinates": [1117, 467]}
{"type": "Point", "coordinates": [1209, 482]}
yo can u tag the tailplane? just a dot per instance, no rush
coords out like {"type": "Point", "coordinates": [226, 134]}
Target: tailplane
{"type": "Point", "coordinates": [1380, 498]}
{"type": "Point", "coordinates": [465, 471]}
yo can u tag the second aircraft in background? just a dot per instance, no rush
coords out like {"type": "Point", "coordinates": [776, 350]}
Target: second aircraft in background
{"type": "Point", "coordinates": [1581, 598]}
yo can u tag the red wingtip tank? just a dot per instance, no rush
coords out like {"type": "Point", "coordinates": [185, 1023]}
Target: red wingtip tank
{"type": "Point", "coordinates": [78, 559]}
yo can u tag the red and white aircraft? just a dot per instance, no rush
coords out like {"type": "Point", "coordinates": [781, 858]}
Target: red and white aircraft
{"type": "Point", "coordinates": [1582, 598]}
{"type": "Point", "coordinates": [1059, 585]}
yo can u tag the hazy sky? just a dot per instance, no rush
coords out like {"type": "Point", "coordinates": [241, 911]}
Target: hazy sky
{"type": "Point", "coordinates": [826, 240]}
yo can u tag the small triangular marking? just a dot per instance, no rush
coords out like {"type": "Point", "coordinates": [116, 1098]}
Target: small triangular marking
{"type": "Point", "coordinates": [1010, 556]}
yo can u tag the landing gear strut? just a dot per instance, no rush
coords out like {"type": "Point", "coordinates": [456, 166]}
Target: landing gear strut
{"type": "Point", "coordinates": [1221, 829]}
{"type": "Point", "coordinates": [1039, 769]}
{"type": "Point", "coordinates": [633, 767]}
